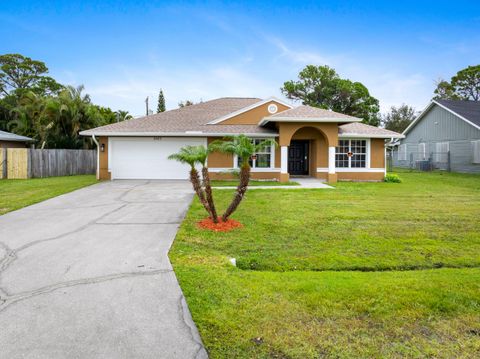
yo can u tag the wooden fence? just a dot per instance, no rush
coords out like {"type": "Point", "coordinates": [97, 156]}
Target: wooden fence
{"type": "Point", "coordinates": [17, 163]}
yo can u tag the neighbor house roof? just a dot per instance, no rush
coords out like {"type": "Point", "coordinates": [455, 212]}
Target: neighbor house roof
{"type": "Point", "coordinates": [305, 113]}
{"type": "Point", "coordinates": [469, 111]}
{"type": "Point", "coordinates": [189, 120]}
{"type": "Point", "coordinates": [363, 130]}
{"type": "Point", "coordinates": [8, 136]}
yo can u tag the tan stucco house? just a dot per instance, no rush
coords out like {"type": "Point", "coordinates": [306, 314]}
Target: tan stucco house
{"type": "Point", "coordinates": [312, 142]}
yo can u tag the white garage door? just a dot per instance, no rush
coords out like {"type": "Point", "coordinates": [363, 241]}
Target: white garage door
{"type": "Point", "coordinates": [147, 158]}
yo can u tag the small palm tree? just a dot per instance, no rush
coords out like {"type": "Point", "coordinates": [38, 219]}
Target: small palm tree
{"type": "Point", "coordinates": [193, 155]}
{"type": "Point", "coordinates": [244, 148]}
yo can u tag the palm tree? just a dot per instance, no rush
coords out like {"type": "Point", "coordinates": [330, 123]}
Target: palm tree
{"type": "Point", "coordinates": [244, 148]}
{"type": "Point", "coordinates": [122, 115]}
{"type": "Point", "coordinates": [193, 155]}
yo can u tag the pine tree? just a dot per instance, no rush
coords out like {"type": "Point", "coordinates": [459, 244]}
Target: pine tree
{"type": "Point", "coordinates": [161, 102]}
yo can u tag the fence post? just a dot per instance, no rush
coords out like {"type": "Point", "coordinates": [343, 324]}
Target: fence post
{"type": "Point", "coordinates": [3, 163]}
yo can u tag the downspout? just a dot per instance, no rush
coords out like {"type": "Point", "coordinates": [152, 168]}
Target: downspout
{"type": "Point", "coordinates": [98, 156]}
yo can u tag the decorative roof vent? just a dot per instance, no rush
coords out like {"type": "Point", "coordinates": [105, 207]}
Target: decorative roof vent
{"type": "Point", "coordinates": [272, 108]}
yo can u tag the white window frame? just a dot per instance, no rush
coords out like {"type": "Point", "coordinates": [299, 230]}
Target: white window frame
{"type": "Point", "coordinates": [254, 162]}
{"type": "Point", "coordinates": [367, 154]}
{"type": "Point", "coordinates": [476, 152]}
{"type": "Point", "coordinates": [402, 152]}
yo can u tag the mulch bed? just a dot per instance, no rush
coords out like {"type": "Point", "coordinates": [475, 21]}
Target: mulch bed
{"type": "Point", "coordinates": [221, 226]}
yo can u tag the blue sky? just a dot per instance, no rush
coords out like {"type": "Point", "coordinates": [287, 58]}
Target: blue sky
{"type": "Point", "coordinates": [125, 51]}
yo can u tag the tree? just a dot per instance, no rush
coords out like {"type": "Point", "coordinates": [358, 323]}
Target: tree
{"type": "Point", "coordinates": [465, 85]}
{"type": "Point", "coordinates": [20, 74]}
{"type": "Point", "coordinates": [244, 148]}
{"type": "Point", "coordinates": [399, 118]}
{"type": "Point", "coordinates": [193, 155]}
{"type": "Point", "coordinates": [121, 115]}
{"type": "Point", "coordinates": [185, 103]}
{"type": "Point", "coordinates": [322, 87]}
{"type": "Point", "coordinates": [161, 102]}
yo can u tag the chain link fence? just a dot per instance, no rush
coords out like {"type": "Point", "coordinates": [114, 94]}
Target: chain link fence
{"type": "Point", "coordinates": [419, 160]}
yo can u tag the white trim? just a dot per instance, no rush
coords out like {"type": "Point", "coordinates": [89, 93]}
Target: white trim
{"type": "Point", "coordinates": [254, 170]}
{"type": "Point", "coordinates": [369, 154]}
{"type": "Point", "coordinates": [284, 159]}
{"type": "Point", "coordinates": [363, 135]}
{"type": "Point", "coordinates": [109, 154]}
{"type": "Point", "coordinates": [98, 156]}
{"type": "Point", "coordinates": [342, 169]}
{"type": "Point", "coordinates": [385, 159]}
{"type": "Point", "coordinates": [265, 120]}
{"type": "Point", "coordinates": [331, 159]}
{"type": "Point", "coordinates": [175, 134]}
{"type": "Point", "coordinates": [248, 108]}
{"type": "Point", "coordinates": [429, 106]}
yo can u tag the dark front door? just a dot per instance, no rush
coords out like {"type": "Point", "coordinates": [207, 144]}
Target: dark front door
{"type": "Point", "coordinates": [298, 158]}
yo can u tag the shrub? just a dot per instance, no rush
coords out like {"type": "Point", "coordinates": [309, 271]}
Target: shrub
{"type": "Point", "coordinates": [392, 178]}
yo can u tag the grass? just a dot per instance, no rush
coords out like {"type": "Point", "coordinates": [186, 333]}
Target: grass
{"type": "Point", "coordinates": [234, 183]}
{"type": "Point", "coordinates": [15, 193]}
{"type": "Point", "coordinates": [365, 270]}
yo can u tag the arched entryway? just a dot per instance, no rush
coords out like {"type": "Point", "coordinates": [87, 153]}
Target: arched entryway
{"type": "Point", "coordinates": [307, 151]}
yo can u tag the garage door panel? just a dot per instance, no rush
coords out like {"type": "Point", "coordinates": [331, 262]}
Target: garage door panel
{"type": "Point", "coordinates": [147, 158]}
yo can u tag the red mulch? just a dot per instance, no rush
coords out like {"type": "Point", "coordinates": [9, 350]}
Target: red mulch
{"type": "Point", "coordinates": [221, 226]}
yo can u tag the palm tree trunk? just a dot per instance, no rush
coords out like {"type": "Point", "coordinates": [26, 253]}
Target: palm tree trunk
{"type": "Point", "coordinates": [209, 194]}
{"type": "Point", "coordinates": [241, 189]}
{"type": "Point", "coordinates": [195, 179]}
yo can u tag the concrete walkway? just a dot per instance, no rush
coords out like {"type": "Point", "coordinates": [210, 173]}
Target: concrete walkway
{"type": "Point", "coordinates": [86, 275]}
{"type": "Point", "coordinates": [304, 183]}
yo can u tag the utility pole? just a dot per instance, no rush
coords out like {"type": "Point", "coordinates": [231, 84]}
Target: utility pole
{"type": "Point", "coordinates": [146, 106]}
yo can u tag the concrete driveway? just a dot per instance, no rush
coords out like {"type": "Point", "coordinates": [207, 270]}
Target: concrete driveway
{"type": "Point", "coordinates": [86, 275]}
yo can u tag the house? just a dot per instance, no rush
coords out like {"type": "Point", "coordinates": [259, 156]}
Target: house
{"type": "Point", "coordinates": [312, 142]}
{"type": "Point", "coordinates": [11, 140]}
{"type": "Point", "coordinates": [446, 135]}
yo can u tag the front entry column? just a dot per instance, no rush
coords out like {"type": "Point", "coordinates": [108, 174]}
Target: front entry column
{"type": "Point", "coordinates": [332, 176]}
{"type": "Point", "coordinates": [284, 176]}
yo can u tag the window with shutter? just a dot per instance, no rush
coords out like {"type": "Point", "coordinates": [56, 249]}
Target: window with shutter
{"type": "Point", "coordinates": [476, 151]}
{"type": "Point", "coordinates": [402, 152]}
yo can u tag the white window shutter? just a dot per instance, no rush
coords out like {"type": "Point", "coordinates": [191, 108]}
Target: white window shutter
{"type": "Point", "coordinates": [421, 151]}
{"type": "Point", "coordinates": [476, 151]}
{"type": "Point", "coordinates": [402, 152]}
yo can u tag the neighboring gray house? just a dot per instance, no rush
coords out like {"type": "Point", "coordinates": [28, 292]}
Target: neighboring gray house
{"type": "Point", "coordinates": [446, 135]}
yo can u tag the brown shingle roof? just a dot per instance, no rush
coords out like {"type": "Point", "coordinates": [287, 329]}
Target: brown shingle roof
{"type": "Point", "coordinates": [361, 129]}
{"type": "Point", "coordinates": [309, 112]}
{"type": "Point", "coordinates": [192, 118]}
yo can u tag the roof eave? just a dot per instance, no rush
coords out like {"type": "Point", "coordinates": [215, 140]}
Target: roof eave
{"type": "Point", "coordinates": [248, 108]}
{"type": "Point", "coordinates": [364, 135]}
{"type": "Point", "coordinates": [266, 120]}
{"type": "Point", "coordinates": [175, 134]}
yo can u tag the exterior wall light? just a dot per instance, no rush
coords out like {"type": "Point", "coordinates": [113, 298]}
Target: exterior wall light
{"type": "Point", "coordinates": [102, 147]}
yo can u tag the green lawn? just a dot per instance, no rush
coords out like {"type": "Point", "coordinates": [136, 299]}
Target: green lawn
{"type": "Point", "coordinates": [365, 270]}
{"type": "Point", "coordinates": [15, 194]}
{"type": "Point", "coordinates": [234, 183]}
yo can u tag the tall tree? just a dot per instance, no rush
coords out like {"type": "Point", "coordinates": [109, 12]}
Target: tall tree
{"type": "Point", "coordinates": [19, 74]}
{"type": "Point", "coordinates": [322, 87]}
{"type": "Point", "coordinates": [465, 85]}
{"type": "Point", "coordinates": [399, 118]}
{"type": "Point", "coordinates": [161, 102]}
